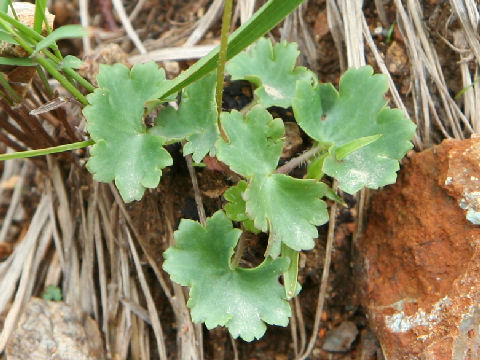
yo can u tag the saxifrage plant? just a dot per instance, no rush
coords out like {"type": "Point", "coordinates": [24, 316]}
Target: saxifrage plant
{"type": "Point", "coordinates": [357, 140]}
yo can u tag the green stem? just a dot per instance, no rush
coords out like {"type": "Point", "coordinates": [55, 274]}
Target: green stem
{"type": "Point", "coordinates": [81, 80]}
{"type": "Point", "coordinates": [8, 88]}
{"type": "Point", "coordinates": [240, 249]}
{"type": "Point", "coordinates": [61, 79]}
{"type": "Point", "coordinates": [46, 64]}
{"type": "Point", "coordinates": [70, 72]}
{"type": "Point", "coordinates": [222, 58]}
{"type": "Point", "coordinates": [4, 18]}
{"type": "Point", "coordinates": [10, 2]}
{"type": "Point", "coordinates": [4, 96]}
{"type": "Point", "coordinates": [46, 151]}
{"type": "Point", "coordinates": [21, 27]}
{"type": "Point", "coordinates": [44, 79]}
{"type": "Point", "coordinates": [17, 37]}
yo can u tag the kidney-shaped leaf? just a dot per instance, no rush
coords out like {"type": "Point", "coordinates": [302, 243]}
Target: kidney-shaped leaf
{"type": "Point", "coordinates": [357, 110]}
{"type": "Point", "coordinates": [195, 119]}
{"type": "Point", "coordinates": [125, 151]}
{"type": "Point", "coordinates": [289, 208]}
{"type": "Point", "coordinates": [272, 70]}
{"type": "Point", "coordinates": [241, 299]}
{"type": "Point", "coordinates": [254, 142]}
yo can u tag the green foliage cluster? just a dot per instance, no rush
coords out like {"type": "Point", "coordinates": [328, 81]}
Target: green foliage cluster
{"type": "Point", "coordinates": [358, 140]}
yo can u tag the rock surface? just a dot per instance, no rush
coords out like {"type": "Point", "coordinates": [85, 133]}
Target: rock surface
{"type": "Point", "coordinates": [340, 339]}
{"type": "Point", "coordinates": [51, 330]}
{"type": "Point", "coordinates": [420, 257]}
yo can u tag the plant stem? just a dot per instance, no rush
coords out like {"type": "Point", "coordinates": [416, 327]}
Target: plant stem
{"type": "Point", "coordinates": [46, 151]}
{"type": "Point", "coordinates": [324, 284]}
{"type": "Point", "coordinates": [70, 72]}
{"type": "Point", "coordinates": [21, 27]}
{"type": "Point", "coordinates": [241, 246]}
{"type": "Point", "coordinates": [81, 80]}
{"type": "Point", "coordinates": [10, 3]}
{"type": "Point", "coordinates": [222, 58]}
{"type": "Point", "coordinates": [8, 88]}
{"type": "Point", "coordinates": [61, 79]}
{"type": "Point", "coordinates": [45, 63]}
{"type": "Point", "coordinates": [293, 163]}
{"type": "Point", "coordinates": [26, 31]}
{"type": "Point", "coordinates": [44, 79]}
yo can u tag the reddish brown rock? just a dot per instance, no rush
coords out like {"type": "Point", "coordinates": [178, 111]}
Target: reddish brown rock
{"type": "Point", "coordinates": [420, 257]}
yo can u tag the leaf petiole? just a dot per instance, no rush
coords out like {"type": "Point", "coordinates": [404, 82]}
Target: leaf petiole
{"type": "Point", "coordinates": [222, 58]}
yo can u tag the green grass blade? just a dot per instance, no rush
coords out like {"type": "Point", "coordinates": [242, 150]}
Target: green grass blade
{"type": "Point", "coordinates": [46, 151]}
{"type": "Point", "coordinates": [40, 6]}
{"type": "Point", "coordinates": [16, 61]}
{"type": "Point", "coordinates": [464, 90]}
{"type": "Point", "coordinates": [22, 28]}
{"type": "Point", "coordinates": [260, 23]}
{"type": "Point", "coordinates": [343, 151]}
{"type": "Point", "coordinates": [64, 32]}
{"type": "Point", "coordinates": [7, 38]}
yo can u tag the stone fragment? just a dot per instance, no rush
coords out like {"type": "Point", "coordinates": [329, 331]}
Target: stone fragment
{"type": "Point", "coordinates": [52, 330]}
{"type": "Point", "coordinates": [340, 338]}
{"type": "Point", "coordinates": [420, 257]}
{"type": "Point", "coordinates": [461, 178]}
{"type": "Point", "coordinates": [396, 59]}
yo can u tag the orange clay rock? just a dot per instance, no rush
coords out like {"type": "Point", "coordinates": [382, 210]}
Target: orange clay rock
{"type": "Point", "coordinates": [420, 257]}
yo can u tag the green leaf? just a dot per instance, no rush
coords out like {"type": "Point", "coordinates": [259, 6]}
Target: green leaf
{"type": "Point", "coordinates": [70, 61]}
{"type": "Point", "coordinates": [52, 293]}
{"type": "Point", "coordinates": [4, 36]}
{"type": "Point", "coordinates": [255, 142]}
{"type": "Point", "coordinates": [315, 167]}
{"type": "Point", "coordinates": [358, 110]}
{"type": "Point", "coordinates": [262, 21]}
{"type": "Point", "coordinates": [290, 276]}
{"type": "Point", "coordinates": [289, 208]}
{"type": "Point", "coordinates": [241, 299]}
{"type": "Point", "coordinates": [125, 151]}
{"type": "Point", "coordinates": [40, 6]}
{"type": "Point", "coordinates": [235, 208]}
{"type": "Point", "coordinates": [64, 32]}
{"type": "Point", "coordinates": [272, 70]}
{"type": "Point", "coordinates": [332, 195]}
{"type": "Point", "coordinates": [16, 61]}
{"type": "Point", "coordinates": [195, 120]}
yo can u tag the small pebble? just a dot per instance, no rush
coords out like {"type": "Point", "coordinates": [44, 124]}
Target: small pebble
{"type": "Point", "coordinates": [340, 338]}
